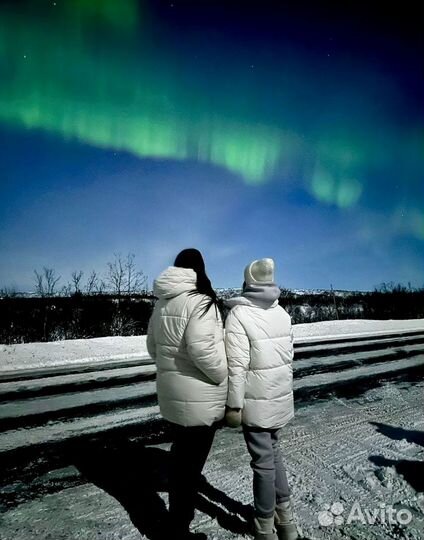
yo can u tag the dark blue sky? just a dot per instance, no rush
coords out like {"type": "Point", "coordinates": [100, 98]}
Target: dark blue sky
{"type": "Point", "coordinates": [246, 131]}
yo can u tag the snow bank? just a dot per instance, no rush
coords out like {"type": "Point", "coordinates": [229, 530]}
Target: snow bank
{"type": "Point", "coordinates": [353, 327]}
{"type": "Point", "coordinates": [35, 355]}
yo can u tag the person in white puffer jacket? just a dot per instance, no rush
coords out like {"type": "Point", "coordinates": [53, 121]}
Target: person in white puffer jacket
{"type": "Point", "coordinates": [186, 340]}
{"type": "Point", "coordinates": [259, 345]}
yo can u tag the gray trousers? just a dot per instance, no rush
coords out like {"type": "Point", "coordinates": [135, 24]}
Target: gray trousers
{"type": "Point", "coordinates": [270, 486]}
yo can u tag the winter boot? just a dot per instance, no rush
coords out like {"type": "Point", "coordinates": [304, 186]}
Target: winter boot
{"type": "Point", "coordinates": [264, 529]}
{"type": "Point", "coordinates": [284, 522]}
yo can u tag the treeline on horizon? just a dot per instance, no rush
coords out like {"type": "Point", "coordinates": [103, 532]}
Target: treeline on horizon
{"type": "Point", "coordinates": [118, 303]}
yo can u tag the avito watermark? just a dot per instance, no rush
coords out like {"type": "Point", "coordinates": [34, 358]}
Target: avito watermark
{"type": "Point", "coordinates": [336, 514]}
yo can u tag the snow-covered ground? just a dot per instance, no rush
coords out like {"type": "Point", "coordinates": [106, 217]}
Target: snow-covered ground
{"type": "Point", "coordinates": [352, 327]}
{"type": "Point", "coordinates": [34, 355]}
{"type": "Point", "coordinates": [351, 464]}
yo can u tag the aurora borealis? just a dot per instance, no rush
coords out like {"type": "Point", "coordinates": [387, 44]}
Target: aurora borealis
{"type": "Point", "coordinates": [123, 97]}
{"type": "Point", "coordinates": [246, 128]}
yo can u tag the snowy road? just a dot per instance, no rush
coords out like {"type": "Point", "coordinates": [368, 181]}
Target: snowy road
{"type": "Point", "coordinates": [84, 457]}
{"type": "Point", "coordinates": [80, 352]}
{"type": "Point", "coordinates": [367, 450]}
{"type": "Point", "coordinates": [46, 410]}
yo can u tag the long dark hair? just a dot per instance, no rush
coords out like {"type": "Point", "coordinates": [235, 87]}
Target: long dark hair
{"type": "Point", "coordinates": [192, 258]}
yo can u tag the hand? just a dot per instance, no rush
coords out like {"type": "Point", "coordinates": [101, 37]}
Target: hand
{"type": "Point", "coordinates": [233, 417]}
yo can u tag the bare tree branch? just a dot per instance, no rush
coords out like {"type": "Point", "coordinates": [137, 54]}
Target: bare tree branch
{"type": "Point", "coordinates": [115, 277]}
{"type": "Point", "coordinates": [92, 282]}
{"type": "Point", "coordinates": [76, 280]}
{"type": "Point", "coordinates": [8, 292]}
{"type": "Point", "coordinates": [39, 284]}
{"type": "Point", "coordinates": [46, 282]}
{"type": "Point", "coordinates": [135, 280]}
{"type": "Point", "coordinates": [66, 290]}
{"type": "Point", "coordinates": [51, 280]}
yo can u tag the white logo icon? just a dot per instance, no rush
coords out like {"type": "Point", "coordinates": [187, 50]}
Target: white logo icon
{"type": "Point", "coordinates": [331, 515]}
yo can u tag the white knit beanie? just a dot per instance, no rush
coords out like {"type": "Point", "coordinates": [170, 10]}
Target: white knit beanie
{"type": "Point", "coordinates": [259, 272]}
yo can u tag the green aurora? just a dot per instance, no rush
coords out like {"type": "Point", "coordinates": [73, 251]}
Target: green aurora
{"type": "Point", "coordinates": [128, 100]}
{"type": "Point", "coordinates": [104, 73]}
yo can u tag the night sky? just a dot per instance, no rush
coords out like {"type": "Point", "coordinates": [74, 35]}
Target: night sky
{"type": "Point", "coordinates": [292, 130]}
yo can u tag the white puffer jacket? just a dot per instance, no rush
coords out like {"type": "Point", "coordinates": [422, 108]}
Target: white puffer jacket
{"type": "Point", "coordinates": [189, 351]}
{"type": "Point", "coordinates": [259, 345]}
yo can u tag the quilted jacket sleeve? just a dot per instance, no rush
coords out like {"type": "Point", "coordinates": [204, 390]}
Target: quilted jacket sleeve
{"type": "Point", "coordinates": [201, 344]}
{"type": "Point", "coordinates": [238, 353]}
{"type": "Point", "coordinates": [150, 340]}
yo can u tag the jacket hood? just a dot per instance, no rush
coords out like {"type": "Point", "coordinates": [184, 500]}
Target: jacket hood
{"type": "Point", "coordinates": [263, 296]}
{"type": "Point", "coordinates": [174, 281]}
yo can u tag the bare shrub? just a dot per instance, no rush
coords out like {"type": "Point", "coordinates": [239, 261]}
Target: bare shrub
{"type": "Point", "coordinates": [46, 282]}
{"type": "Point", "coordinates": [135, 280]}
{"type": "Point", "coordinates": [115, 276]}
{"type": "Point", "coordinates": [76, 280]}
